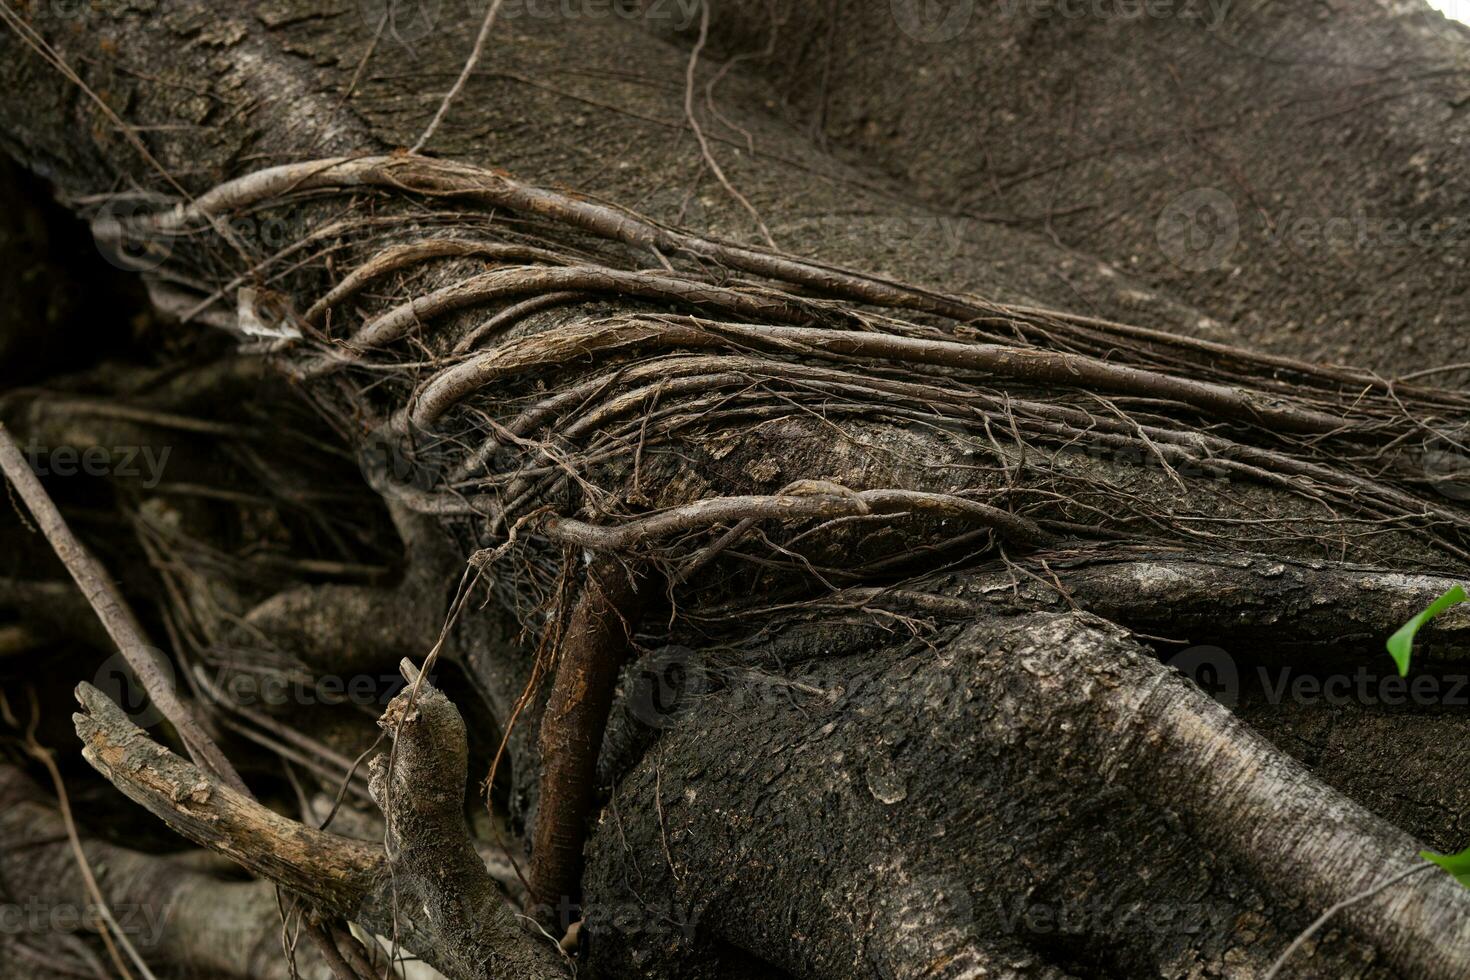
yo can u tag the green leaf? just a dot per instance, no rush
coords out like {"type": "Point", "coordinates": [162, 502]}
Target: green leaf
{"type": "Point", "coordinates": [1456, 864]}
{"type": "Point", "coordinates": [1401, 644]}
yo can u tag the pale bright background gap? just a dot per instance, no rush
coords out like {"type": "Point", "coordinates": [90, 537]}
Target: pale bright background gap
{"type": "Point", "coordinates": [1457, 9]}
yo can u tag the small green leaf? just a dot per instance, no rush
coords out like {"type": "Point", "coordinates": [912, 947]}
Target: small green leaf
{"type": "Point", "coordinates": [1456, 864]}
{"type": "Point", "coordinates": [1401, 644]}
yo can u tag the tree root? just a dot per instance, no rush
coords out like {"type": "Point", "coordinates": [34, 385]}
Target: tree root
{"type": "Point", "coordinates": [420, 786]}
{"type": "Point", "coordinates": [1044, 758]}
{"type": "Point", "coordinates": [465, 930]}
{"type": "Point", "coordinates": [592, 650]}
{"type": "Point", "coordinates": [1036, 791]}
{"type": "Point", "coordinates": [337, 872]}
{"type": "Point", "coordinates": [1201, 597]}
{"type": "Point", "coordinates": [400, 257]}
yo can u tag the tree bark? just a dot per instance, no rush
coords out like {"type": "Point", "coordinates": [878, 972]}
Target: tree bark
{"type": "Point", "coordinates": [921, 534]}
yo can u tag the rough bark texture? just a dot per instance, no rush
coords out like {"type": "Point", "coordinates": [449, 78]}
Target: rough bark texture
{"type": "Point", "coordinates": [1314, 143]}
{"type": "Point", "coordinates": [891, 712]}
{"type": "Point", "coordinates": [176, 914]}
{"type": "Point", "coordinates": [1045, 749]}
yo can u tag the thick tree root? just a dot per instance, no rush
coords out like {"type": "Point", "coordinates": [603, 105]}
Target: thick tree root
{"type": "Point", "coordinates": [592, 650]}
{"type": "Point", "coordinates": [1197, 598]}
{"type": "Point", "coordinates": [1034, 794]}
{"type": "Point", "coordinates": [420, 786]}
{"type": "Point", "coordinates": [916, 793]}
